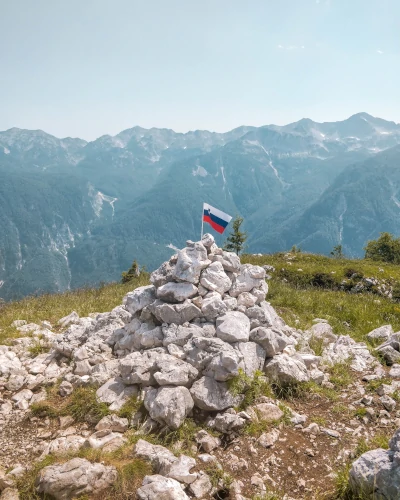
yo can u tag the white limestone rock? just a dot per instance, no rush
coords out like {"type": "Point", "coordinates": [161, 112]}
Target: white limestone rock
{"type": "Point", "coordinates": [74, 478]}
{"type": "Point", "coordinates": [229, 260]}
{"type": "Point", "coordinates": [272, 340]}
{"type": "Point", "coordinates": [215, 279]}
{"type": "Point", "coordinates": [382, 333]}
{"type": "Point", "coordinates": [345, 348]}
{"type": "Point", "coordinates": [168, 405]}
{"type": "Point", "coordinates": [68, 320]}
{"type": "Point", "coordinates": [253, 357]}
{"type": "Point", "coordinates": [158, 487]}
{"type": "Point", "coordinates": [164, 274]}
{"type": "Point", "coordinates": [139, 298]}
{"type": "Point", "coordinates": [106, 439]}
{"type": "Point", "coordinates": [284, 369]}
{"type": "Point", "coordinates": [175, 313]}
{"type": "Point", "coordinates": [179, 334]}
{"type": "Point", "coordinates": [113, 423]}
{"type": "Point", "coordinates": [322, 331]}
{"type": "Point", "coordinates": [210, 395]}
{"type": "Point", "coordinates": [213, 306]}
{"type": "Point", "coordinates": [191, 261]}
{"type": "Point", "coordinates": [115, 393]}
{"type": "Point", "coordinates": [176, 292]}
{"type": "Point", "coordinates": [233, 326]}
{"type": "Point", "coordinates": [153, 367]}
{"type": "Point", "coordinates": [207, 442]}
{"type": "Point", "coordinates": [376, 474]}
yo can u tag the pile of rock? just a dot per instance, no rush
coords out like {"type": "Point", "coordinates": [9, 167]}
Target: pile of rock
{"type": "Point", "coordinates": [175, 344]}
{"type": "Point", "coordinates": [203, 319]}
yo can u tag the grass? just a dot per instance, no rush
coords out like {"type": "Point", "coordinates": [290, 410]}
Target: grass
{"type": "Point", "coordinates": [82, 405]}
{"type": "Point", "coordinates": [341, 375]}
{"type": "Point", "coordinates": [38, 347]}
{"type": "Point", "coordinates": [181, 439]}
{"type": "Point", "coordinates": [342, 489]}
{"type": "Point", "coordinates": [52, 307]}
{"type": "Point", "coordinates": [26, 483]}
{"type": "Point", "coordinates": [360, 412]}
{"type": "Point", "coordinates": [250, 388]}
{"type": "Point", "coordinates": [131, 472]}
{"type": "Point", "coordinates": [299, 303]}
{"type": "Point", "coordinates": [219, 478]}
{"type": "Point", "coordinates": [130, 407]}
{"type": "Point", "coordinates": [373, 385]}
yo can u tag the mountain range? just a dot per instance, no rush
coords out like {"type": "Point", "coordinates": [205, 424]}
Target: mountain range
{"type": "Point", "coordinates": [76, 213]}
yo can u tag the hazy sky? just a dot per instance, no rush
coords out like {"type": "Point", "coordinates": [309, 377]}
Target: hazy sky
{"type": "Point", "coordinates": [90, 67]}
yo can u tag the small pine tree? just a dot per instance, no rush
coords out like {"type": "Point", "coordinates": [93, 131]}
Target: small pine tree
{"type": "Point", "coordinates": [236, 239]}
{"type": "Point", "coordinates": [337, 252]}
{"type": "Point", "coordinates": [133, 272]}
{"type": "Point", "coordinates": [295, 249]}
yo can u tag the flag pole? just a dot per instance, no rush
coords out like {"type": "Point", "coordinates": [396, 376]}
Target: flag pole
{"type": "Point", "coordinates": [202, 222]}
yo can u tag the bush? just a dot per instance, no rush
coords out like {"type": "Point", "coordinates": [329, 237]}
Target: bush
{"type": "Point", "coordinates": [396, 292]}
{"type": "Point", "coordinates": [132, 273]}
{"type": "Point", "coordinates": [385, 249]}
{"type": "Point", "coordinates": [349, 272]}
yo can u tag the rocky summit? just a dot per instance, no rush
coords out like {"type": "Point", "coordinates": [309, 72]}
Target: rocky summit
{"type": "Point", "coordinates": [196, 345]}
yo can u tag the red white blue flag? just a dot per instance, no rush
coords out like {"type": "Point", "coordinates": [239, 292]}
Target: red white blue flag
{"type": "Point", "coordinates": [218, 220]}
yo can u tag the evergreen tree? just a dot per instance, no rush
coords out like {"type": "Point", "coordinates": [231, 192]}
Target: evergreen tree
{"type": "Point", "coordinates": [133, 272]}
{"type": "Point", "coordinates": [236, 239]}
{"type": "Point", "coordinates": [337, 252]}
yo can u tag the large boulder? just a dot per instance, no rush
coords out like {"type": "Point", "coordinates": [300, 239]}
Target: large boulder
{"type": "Point", "coordinates": [213, 306]}
{"type": "Point", "coordinates": [140, 297]}
{"type": "Point", "coordinates": [376, 474]}
{"type": "Point", "coordinates": [176, 292]}
{"type": "Point", "coordinates": [210, 395]}
{"type": "Point", "coordinates": [154, 367]}
{"type": "Point", "coordinates": [175, 313]}
{"type": "Point", "coordinates": [215, 279]}
{"type": "Point", "coordinates": [158, 487]}
{"type": "Point", "coordinates": [284, 370]}
{"type": "Point", "coordinates": [169, 405]}
{"type": "Point", "coordinates": [253, 357]}
{"type": "Point", "coordinates": [191, 261]}
{"type": "Point", "coordinates": [249, 277]}
{"type": "Point", "coordinates": [229, 260]}
{"type": "Point", "coordinates": [270, 339]}
{"type": "Point", "coordinates": [115, 393]}
{"type": "Point", "coordinates": [233, 326]}
{"type": "Point", "coordinates": [382, 333]}
{"type": "Point", "coordinates": [74, 478]}
{"type": "Point", "coordinates": [164, 274]}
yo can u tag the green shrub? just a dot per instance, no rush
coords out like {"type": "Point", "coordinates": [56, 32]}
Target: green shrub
{"type": "Point", "coordinates": [250, 388]}
{"type": "Point", "coordinates": [85, 407]}
{"type": "Point", "coordinates": [396, 292]}
{"type": "Point", "coordinates": [385, 249]}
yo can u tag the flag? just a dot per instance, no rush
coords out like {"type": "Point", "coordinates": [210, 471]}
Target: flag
{"type": "Point", "coordinates": [218, 220]}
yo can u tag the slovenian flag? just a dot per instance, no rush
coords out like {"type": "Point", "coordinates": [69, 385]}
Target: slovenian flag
{"type": "Point", "coordinates": [218, 220]}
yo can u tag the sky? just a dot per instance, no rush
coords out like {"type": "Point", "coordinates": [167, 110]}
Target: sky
{"type": "Point", "coordinates": [85, 68]}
